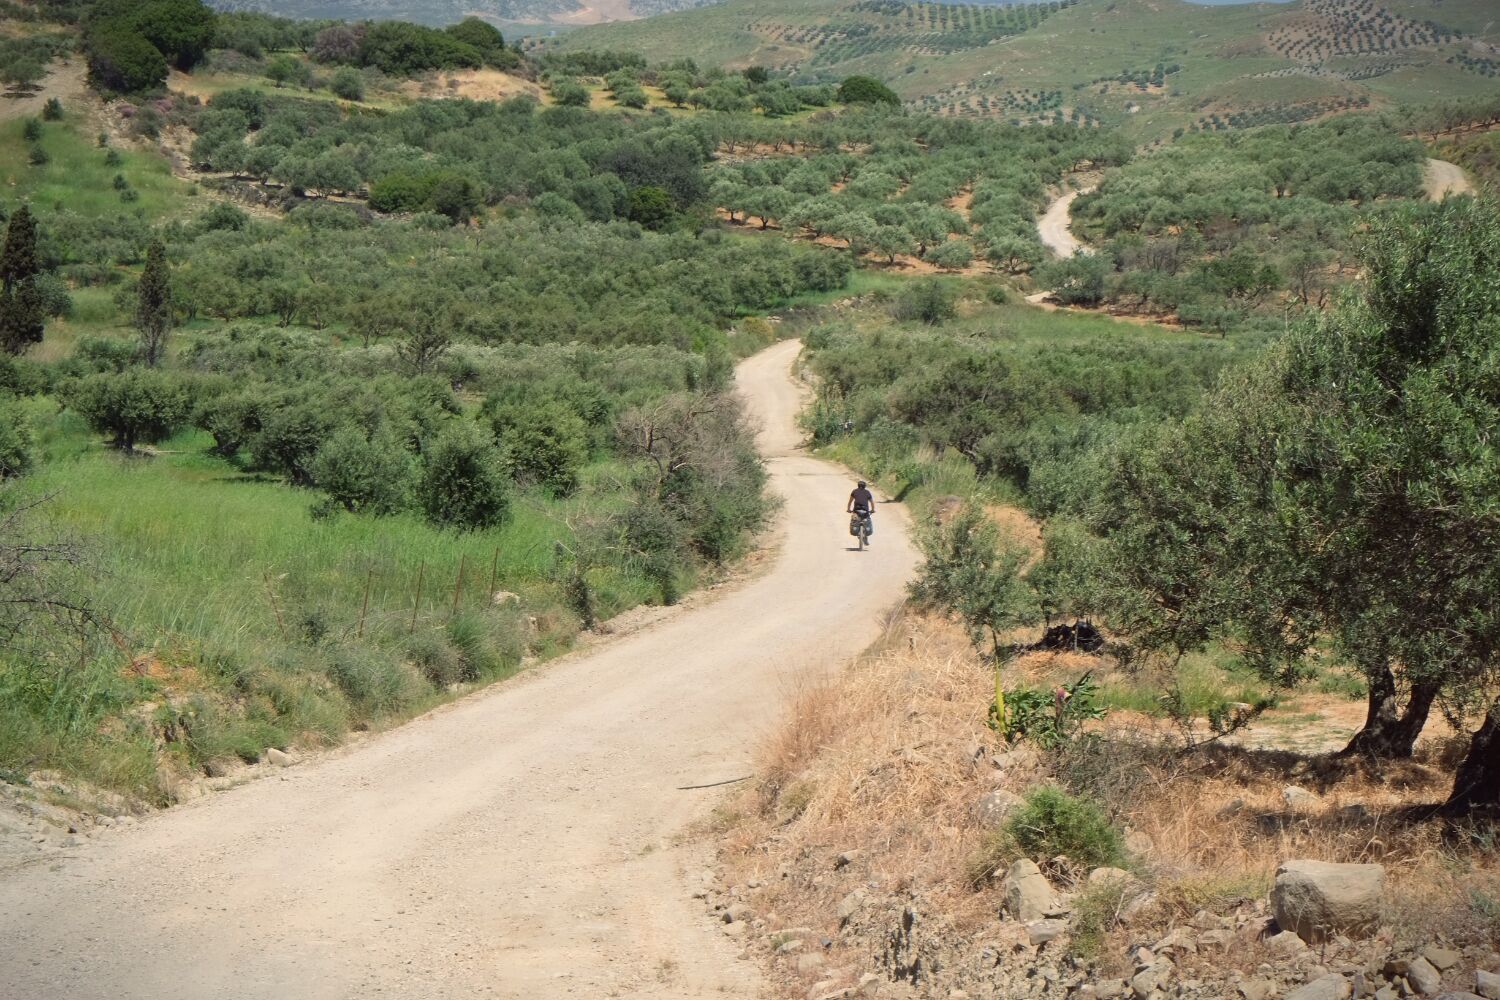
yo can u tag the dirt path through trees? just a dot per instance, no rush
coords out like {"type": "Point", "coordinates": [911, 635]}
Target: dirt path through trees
{"type": "Point", "coordinates": [520, 843]}
{"type": "Point", "coordinates": [1443, 178]}
{"type": "Point", "coordinates": [1053, 226]}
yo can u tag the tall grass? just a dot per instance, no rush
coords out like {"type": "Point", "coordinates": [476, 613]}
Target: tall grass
{"type": "Point", "coordinates": [239, 621]}
{"type": "Point", "coordinates": [77, 179]}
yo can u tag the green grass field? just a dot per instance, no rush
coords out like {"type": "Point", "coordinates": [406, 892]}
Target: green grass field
{"type": "Point", "coordinates": [77, 179]}
{"type": "Point", "coordinates": [238, 620]}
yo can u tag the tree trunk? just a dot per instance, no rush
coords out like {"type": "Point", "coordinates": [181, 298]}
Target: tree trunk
{"type": "Point", "coordinates": [1389, 733]}
{"type": "Point", "coordinates": [1477, 783]}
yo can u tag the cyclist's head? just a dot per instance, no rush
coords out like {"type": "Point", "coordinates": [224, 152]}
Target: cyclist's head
{"type": "Point", "coordinates": [861, 484]}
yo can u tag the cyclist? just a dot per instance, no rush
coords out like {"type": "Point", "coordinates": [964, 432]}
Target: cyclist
{"type": "Point", "coordinates": [862, 504]}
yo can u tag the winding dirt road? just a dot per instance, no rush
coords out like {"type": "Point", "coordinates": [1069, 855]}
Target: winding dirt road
{"type": "Point", "coordinates": [519, 843]}
{"type": "Point", "coordinates": [1053, 226]}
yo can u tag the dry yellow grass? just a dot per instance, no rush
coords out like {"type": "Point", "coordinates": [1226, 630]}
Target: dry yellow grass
{"type": "Point", "coordinates": [882, 758]}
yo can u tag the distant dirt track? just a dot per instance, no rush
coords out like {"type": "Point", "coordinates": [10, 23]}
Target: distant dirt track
{"type": "Point", "coordinates": [516, 844]}
{"type": "Point", "coordinates": [1443, 178]}
{"type": "Point", "coordinates": [1053, 226]}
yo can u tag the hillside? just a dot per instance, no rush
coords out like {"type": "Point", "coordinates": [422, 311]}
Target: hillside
{"type": "Point", "coordinates": [534, 14]}
{"type": "Point", "coordinates": [1151, 65]}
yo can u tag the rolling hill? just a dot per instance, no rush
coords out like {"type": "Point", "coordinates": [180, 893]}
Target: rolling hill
{"type": "Point", "coordinates": [1153, 66]}
{"type": "Point", "coordinates": [529, 15]}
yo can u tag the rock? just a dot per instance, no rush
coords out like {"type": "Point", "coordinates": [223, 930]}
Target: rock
{"type": "Point", "coordinates": [994, 808]}
{"type": "Point", "coordinates": [737, 913]}
{"type": "Point", "coordinates": [1487, 985]}
{"type": "Point", "coordinates": [1458, 995]}
{"type": "Point", "coordinates": [846, 858]}
{"type": "Point", "coordinates": [1137, 909]}
{"type": "Point", "coordinates": [1022, 759]}
{"type": "Point", "coordinates": [869, 984]}
{"type": "Point", "coordinates": [1143, 983]}
{"type": "Point", "coordinates": [851, 905]}
{"type": "Point", "coordinates": [1286, 943]}
{"type": "Point", "coordinates": [1141, 957]}
{"type": "Point", "coordinates": [1178, 939]}
{"type": "Point", "coordinates": [1042, 931]}
{"type": "Point", "coordinates": [1319, 898]}
{"type": "Point", "coordinates": [1219, 937]}
{"type": "Point", "coordinates": [1423, 977]}
{"type": "Point", "coordinates": [279, 757]}
{"type": "Point", "coordinates": [1026, 892]}
{"type": "Point", "coordinates": [735, 929]}
{"type": "Point", "coordinates": [1442, 959]}
{"type": "Point", "coordinates": [502, 597]}
{"type": "Point", "coordinates": [1257, 989]}
{"type": "Point", "coordinates": [811, 962]}
{"type": "Point", "coordinates": [1297, 797]}
{"type": "Point", "coordinates": [795, 944]}
{"type": "Point", "coordinates": [1329, 987]}
{"type": "Point", "coordinates": [1386, 993]}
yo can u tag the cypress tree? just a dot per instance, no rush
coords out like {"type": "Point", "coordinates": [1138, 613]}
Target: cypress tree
{"type": "Point", "coordinates": [21, 320]}
{"type": "Point", "coordinates": [153, 308]}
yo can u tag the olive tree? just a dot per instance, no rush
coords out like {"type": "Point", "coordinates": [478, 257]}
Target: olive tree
{"type": "Point", "coordinates": [1344, 486]}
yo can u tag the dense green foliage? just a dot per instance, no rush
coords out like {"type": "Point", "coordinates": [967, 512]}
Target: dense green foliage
{"type": "Point", "coordinates": [1343, 486]}
{"type": "Point", "coordinates": [130, 44]}
{"type": "Point", "coordinates": [1215, 226]}
{"type": "Point", "coordinates": [1021, 408]}
{"type": "Point", "coordinates": [1051, 823]}
{"type": "Point", "coordinates": [22, 309]}
{"type": "Point", "coordinates": [866, 90]}
{"type": "Point", "coordinates": [895, 195]}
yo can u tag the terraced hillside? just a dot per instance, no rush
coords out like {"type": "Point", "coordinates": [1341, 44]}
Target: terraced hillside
{"type": "Point", "coordinates": [1154, 66]}
{"type": "Point", "coordinates": [534, 14]}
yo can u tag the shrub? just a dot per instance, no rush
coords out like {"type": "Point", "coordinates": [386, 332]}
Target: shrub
{"type": "Point", "coordinates": [931, 301]}
{"type": "Point", "coordinates": [650, 206]}
{"type": "Point", "coordinates": [374, 682]}
{"type": "Point", "coordinates": [362, 472]}
{"type": "Point", "coordinates": [52, 111]}
{"type": "Point", "coordinates": [123, 60]}
{"type": "Point", "coordinates": [435, 659]}
{"type": "Point", "coordinates": [464, 484]}
{"type": "Point", "coordinates": [972, 568]}
{"type": "Point", "coordinates": [488, 645]}
{"type": "Point", "coordinates": [133, 407]}
{"type": "Point", "coordinates": [38, 157]}
{"type": "Point", "coordinates": [569, 93]}
{"type": "Point", "coordinates": [32, 130]}
{"type": "Point", "coordinates": [866, 90]}
{"type": "Point", "coordinates": [1047, 719]}
{"type": "Point", "coordinates": [547, 445]}
{"type": "Point", "coordinates": [17, 443]}
{"type": "Point", "coordinates": [1052, 822]}
{"type": "Point", "coordinates": [348, 83]}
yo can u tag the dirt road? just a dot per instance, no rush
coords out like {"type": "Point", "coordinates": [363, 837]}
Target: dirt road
{"type": "Point", "coordinates": [1443, 178]}
{"type": "Point", "coordinates": [519, 843]}
{"type": "Point", "coordinates": [1053, 226]}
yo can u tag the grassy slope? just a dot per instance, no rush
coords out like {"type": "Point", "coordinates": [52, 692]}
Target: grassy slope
{"type": "Point", "coordinates": [1220, 49]}
{"type": "Point", "coordinates": [212, 575]}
